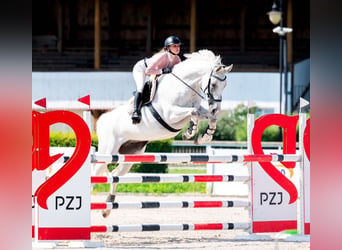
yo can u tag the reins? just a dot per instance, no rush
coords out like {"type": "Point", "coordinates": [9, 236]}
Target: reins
{"type": "Point", "coordinates": [210, 96]}
{"type": "Point", "coordinates": [188, 85]}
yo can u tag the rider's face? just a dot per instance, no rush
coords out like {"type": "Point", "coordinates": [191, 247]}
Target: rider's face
{"type": "Point", "coordinates": [175, 48]}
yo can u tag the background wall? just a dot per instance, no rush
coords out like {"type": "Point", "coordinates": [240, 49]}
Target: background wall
{"type": "Point", "coordinates": [109, 89]}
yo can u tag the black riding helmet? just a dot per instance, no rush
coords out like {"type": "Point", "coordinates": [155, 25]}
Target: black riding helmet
{"type": "Point", "coordinates": [171, 40]}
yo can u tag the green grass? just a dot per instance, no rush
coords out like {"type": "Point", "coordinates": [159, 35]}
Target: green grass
{"type": "Point", "coordinates": [160, 188]}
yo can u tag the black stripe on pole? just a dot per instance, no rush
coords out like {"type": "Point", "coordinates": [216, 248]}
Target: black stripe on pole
{"type": "Point", "coordinates": [115, 228]}
{"type": "Point", "coordinates": [186, 227]}
{"type": "Point", "coordinates": [235, 158]}
{"type": "Point", "coordinates": [230, 226]}
{"type": "Point", "coordinates": [185, 204]}
{"type": "Point", "coordinates": [151, 179]}
{"type": "Point", "coordinates": [199, 158]}
{"type": "Point", "coordinates": [163, 158]}
{"type": "Point", "coordinates": [149, 204]}
{"type": "Point", "coordinates": [115, 205]}
{"type": "Point", "coordinates": [152, 227]}
{"type": "Point", "coordinates": [185, 178]}
{"type": "Point", "coordinates": [280, 157]}
{"type": "Point", "coordinates": [115, 179]}
{"type": "Point", "coordinates": [115, 158]}
{"type": "Point", "coordinates": [230, 203]}
{"type": "Point", "coordinates": [230, 177]}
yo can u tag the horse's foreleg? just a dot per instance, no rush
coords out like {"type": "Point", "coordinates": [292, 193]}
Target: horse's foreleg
{"type": "Point", "coordinates": [122, 169]}
{"type": "Point", "coordinates": [192, 128]}
{"type": "Point", "coordinates": [197, 115]}
{"type": "Point", "coordinates": [207, 136]}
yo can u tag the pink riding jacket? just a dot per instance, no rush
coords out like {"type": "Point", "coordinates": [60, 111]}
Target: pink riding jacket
{"type": "Point", "coordinates": [156, 63]}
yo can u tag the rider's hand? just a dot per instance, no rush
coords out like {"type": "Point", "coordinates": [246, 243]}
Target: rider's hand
{"type": "Point", "coordinates": [166, 70]}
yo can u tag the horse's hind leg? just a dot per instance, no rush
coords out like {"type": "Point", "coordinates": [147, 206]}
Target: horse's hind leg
{"type": "Point", "coordinates": [122, 169]}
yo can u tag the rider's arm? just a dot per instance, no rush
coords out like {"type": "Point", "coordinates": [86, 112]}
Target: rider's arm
{"type": "Point", "coordinates": [175, 61]}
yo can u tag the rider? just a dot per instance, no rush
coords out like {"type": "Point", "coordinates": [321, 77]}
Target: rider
{"type": "Point", "coordinates": [160, 63]}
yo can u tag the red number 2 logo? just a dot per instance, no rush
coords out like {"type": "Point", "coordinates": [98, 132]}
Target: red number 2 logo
{"type": "Point", "coordinates": [41, 158]}
{"type": "Point", "coordinates": [288, 124]}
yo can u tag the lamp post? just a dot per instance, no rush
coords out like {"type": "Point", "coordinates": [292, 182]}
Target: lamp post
{"type": "Point", "coordinates": [276, 17]}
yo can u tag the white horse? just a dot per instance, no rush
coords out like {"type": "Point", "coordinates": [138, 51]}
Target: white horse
{"type": "Point", "coordinates": [176, 102]}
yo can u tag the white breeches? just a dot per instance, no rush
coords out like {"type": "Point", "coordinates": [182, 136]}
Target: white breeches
{"type": "Point", "coordinates": [139, 75]}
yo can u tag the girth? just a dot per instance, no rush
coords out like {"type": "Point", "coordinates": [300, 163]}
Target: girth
{"type": "Point", "coordinates": [160, 120]}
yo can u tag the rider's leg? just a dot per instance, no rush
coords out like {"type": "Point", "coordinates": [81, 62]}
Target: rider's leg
{"type": "Point", "coordinates": [136, 116]}
{"type": "Point", "coordinates": [139, 78]}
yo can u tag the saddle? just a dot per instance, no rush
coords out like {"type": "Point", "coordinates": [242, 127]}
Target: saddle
{"type": "Point", "coordinates": [149, 91]}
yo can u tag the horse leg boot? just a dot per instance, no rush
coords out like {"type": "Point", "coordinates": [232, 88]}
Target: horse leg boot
{"type": "Point", "coordinates": [207, 136]}
{"type": "Point", "coordinates": [136, 116]}
{"type": "Point", "coordinates": [192, 129]}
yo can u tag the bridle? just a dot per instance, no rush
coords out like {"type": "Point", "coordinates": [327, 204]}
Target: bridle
{"type": "Point", "coordinates": [209, 94]}
{"type": "Point", "coordinates": [211, 98]}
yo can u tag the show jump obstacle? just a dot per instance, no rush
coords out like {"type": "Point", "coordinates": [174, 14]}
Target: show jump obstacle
{"type": "Point", "coordinates": [62, 204]}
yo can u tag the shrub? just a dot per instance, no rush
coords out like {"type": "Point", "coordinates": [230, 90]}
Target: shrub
{"type": "Point", "coordinates": [68, 139]}
{"type": "Point", "coordinates": [271, 134]}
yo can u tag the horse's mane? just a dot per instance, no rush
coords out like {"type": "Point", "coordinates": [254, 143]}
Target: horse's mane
{"type": "Point", "coordinates": [206, 55]}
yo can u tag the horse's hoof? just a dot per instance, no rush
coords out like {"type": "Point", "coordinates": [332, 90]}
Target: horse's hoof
{"type": "Point", "coordinates": [110, 198]}
{"type": "Point", "coordinates": [185, 137]}
{"type": "Point", "coordinates": [105, 213]}
{"type": "Point", "coordinates": [201, 139]}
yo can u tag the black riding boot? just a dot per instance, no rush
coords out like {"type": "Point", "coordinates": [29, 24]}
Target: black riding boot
{"type": "Point", "coordinates": [136, 116]}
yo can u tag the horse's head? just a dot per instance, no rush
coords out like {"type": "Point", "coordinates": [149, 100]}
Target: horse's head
{"type": "Point", "coordinates": [213, 79]}
{"type": "Point", "coordinates": [204, 70]}
{"type": "Point", "coordinates": [215, 86]}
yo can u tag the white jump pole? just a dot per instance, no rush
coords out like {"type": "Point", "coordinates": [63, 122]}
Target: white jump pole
{"type": "Point", "coordinates": [250, 127]}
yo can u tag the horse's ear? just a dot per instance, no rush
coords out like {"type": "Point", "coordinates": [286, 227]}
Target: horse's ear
{"type": "Point", "coordinates": [218, 69]}
{"type": "Point", "coordinates": [228, 68]}
{"type": "Point", "coordinates": [223, 68]}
